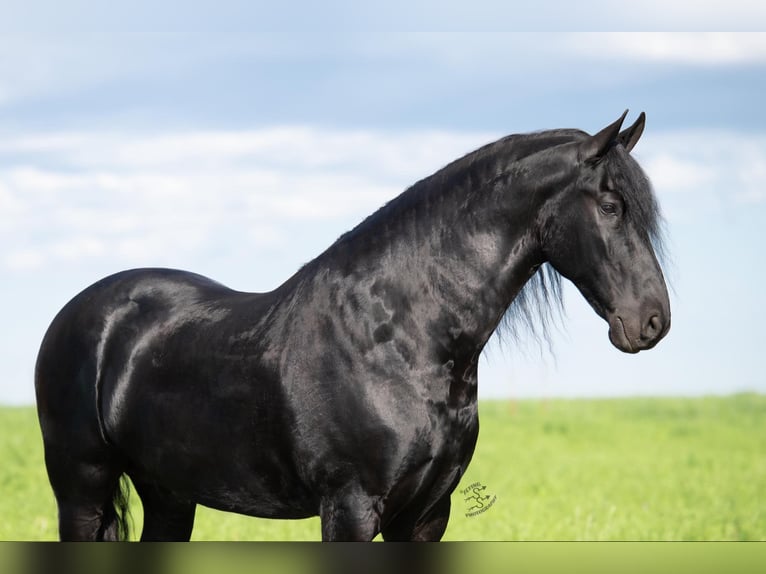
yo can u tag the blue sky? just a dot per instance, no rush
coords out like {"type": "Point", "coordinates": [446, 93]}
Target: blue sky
{"type": "Point", "coordinates": [243, 155]}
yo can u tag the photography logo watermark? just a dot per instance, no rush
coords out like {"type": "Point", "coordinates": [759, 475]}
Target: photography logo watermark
{"type": "Point", "coordinates": [477, 499]}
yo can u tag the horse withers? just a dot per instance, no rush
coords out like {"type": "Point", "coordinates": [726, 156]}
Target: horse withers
{"type": "Point", "coordinates": [349, 391]}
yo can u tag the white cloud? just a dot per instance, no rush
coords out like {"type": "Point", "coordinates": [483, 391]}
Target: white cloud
{"type": "Point", "coordinates": [708, 48]}
{"type": "Point", "coordinates": [753, 177]}
{"type": "Point", "coordinates": [77, 247]}
{"type": "Point", "coordinates": [10, 204]}
{"type": "Point", "coordinates": [23, 258]}
{"type": "Point", "coordinates": [134, 199]}
{"type": "Point", "coordinates": [304, 147]}
{"type": "Point", "coordinates": [675, 174]}
{"type": "Point", "coordinates": [729, 164]}
{"type": "Point", "coordinates": [493, 53]}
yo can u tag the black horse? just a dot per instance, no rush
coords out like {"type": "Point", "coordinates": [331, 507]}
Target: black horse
{"type": "Point", "coordinates": [348, 392]}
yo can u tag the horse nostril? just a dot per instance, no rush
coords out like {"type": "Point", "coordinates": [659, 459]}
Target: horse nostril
{"type": "Point", "coordinates": [653, 327]}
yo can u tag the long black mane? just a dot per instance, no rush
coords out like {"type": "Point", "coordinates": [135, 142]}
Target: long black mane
{"type": "Point", "coordinates": [452, 181]}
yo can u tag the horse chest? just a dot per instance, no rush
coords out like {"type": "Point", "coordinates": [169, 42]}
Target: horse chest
{"type": "Point", "coordinates": [434, 465]}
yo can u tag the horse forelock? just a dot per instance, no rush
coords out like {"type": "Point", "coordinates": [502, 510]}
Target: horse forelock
{"type": "Point", "coordinates": [642, 208]}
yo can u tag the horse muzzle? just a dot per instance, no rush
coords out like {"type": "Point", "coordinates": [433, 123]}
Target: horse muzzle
{"type": "Point", "coordinates": [634, 332]}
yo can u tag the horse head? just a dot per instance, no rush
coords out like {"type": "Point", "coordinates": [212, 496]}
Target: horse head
{"type": "Point", "coordinates": [600, 232]}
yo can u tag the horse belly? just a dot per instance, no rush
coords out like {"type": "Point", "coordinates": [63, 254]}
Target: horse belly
{"type": "Point", "coordinates": [232, 477]}
{"type": "Point", "coordinates": [227, 450]}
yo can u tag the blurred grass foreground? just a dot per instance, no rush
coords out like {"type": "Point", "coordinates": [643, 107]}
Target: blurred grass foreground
{"type": "Point", "coordinates": [639, 469]}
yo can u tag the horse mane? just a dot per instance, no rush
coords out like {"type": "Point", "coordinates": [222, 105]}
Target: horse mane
{"type": "Point", "coordinates": [482, 162]}
{"type": "Point", "coordinates": [538, 306]}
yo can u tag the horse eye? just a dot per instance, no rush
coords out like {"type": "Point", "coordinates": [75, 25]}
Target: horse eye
{"type": "Point", "coordinates": [608, 208]}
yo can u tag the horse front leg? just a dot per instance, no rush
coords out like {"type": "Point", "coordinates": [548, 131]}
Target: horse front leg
{"type": "Point", "coordinates": [349, 517]}
{"type": "Point", "coordinates": [428, 527]}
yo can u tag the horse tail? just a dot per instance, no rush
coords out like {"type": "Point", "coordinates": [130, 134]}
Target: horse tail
{"type": "Point", "coordinates": [117, 518]}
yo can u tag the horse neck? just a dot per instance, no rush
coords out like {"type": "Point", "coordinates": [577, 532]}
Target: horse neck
{"type": "Point", "coordinates": [480, 255]}
{"type": "Point", "coordinates": [457, 247]}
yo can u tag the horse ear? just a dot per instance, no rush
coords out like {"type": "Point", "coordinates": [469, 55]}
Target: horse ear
{"type": "Point", "coordinates": [629, 137]}
{"type": "Point", "coordinates": [595, 147]}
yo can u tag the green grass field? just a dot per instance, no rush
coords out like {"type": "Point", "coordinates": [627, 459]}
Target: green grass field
{"type": "Point", "coordinates": [621, 469]}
